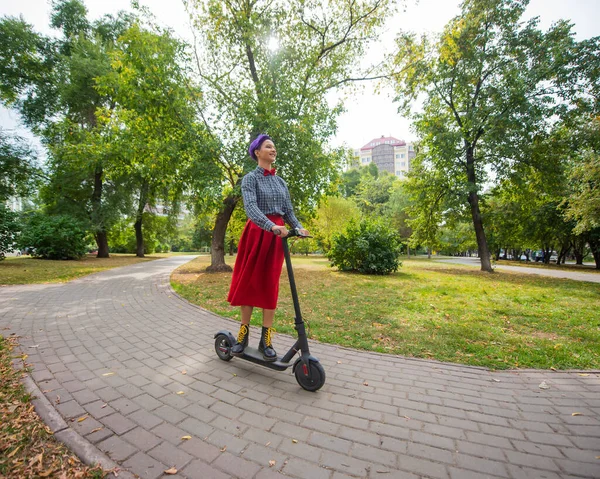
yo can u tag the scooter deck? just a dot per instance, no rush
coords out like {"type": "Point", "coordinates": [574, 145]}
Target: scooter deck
{"type": "Point", "coordinates": [254, 355]}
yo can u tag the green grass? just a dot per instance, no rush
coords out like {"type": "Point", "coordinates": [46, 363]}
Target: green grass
{"type": "Point", "coordinates": [27, 270]}
{"type": "Point", "coordinates": [431, 310]}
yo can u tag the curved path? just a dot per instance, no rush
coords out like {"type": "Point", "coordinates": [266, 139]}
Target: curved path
{"type": "Point", "coordinates": [123, 351]}
{"type": "Point", "coordinates": [553, 273]}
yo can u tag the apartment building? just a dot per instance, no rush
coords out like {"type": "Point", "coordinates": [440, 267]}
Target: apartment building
{"type": "Point", "coordinates": [388, 153]}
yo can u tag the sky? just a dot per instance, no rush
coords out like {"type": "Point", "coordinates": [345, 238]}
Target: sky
{"type": "Point", "coordinates": [368, 115]}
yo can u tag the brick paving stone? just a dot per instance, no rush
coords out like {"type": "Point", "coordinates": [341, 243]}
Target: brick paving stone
{"type": "Point", "coordinates": [117, 448]}
{"type": "Point", "coordinates": [144, 466]}
{"type": "Point", "coordinates": [227, 442]}
{"type": "Point", "coordinates": [481, 466]}
{"type": "Point", "coordinates": [263, 456]}
{"type": "Point", "coordinates": [343, 463]}
{"type": "Point", "coordinates": [305, 469]}
{"type": "Point", "coordinates": [236, 466]}
{"type": "Point", "coordinates": [118, 423]}
{"type": "Point", "coordinates": [70, 409]}
{"type": "Point", "coordinates": [198, 469]}
{"type": "Point", "coordinates": [416, 418]}
{"type": "Point", "coordinates": [145, 419]}
{"type": "Point", "coordinates": [125, 406]}
{"type": "Point", "coordinates": [171, 455]}
{"type": "Point", "coordinates": [142, 439]}
{"type": "Point", "coordinates": [423, 467]}
{"type": "Point", "coordinates": [200, 449]}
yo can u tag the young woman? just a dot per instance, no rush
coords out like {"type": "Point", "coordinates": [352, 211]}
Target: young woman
{"type": "Point", "coordinates": [255, 281]}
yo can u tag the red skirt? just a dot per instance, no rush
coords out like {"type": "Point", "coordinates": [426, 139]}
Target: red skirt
{"type": "Point", "coordinates": [255, 280]}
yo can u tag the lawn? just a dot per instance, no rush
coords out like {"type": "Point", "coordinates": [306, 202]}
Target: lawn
{"type": "Point", "coordinates": [430, 310]}
{"type": "Point", "coordinates": [27, 270]}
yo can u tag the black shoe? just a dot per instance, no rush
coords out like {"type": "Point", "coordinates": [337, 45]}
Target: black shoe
{"type": "Point", "coordinates": [242, 341]}
{"type": "Point", "coordinates": [265, 346]}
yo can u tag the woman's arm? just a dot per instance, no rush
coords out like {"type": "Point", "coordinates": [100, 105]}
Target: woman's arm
{"type": "Point", "coordinates": [288, 209]}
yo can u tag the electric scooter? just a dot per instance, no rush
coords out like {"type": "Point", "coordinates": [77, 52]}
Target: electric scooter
{"type": "Point", "coordinates": [307, 369]}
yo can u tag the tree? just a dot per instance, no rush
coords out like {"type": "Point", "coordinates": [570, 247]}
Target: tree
{"type": "Point", "coordinates": [51, 82]}
{"type": "Point", "coordinates": [490, 84]}
{"type": "Point", "coordinates": [19, 172]}
{"type": "Point", "coordinates": [267, 66]}
{"type": "Point", "coordinates": [152, 124]}
{"type": "Point", "coordinates": [9, 227]}
{"type": "Point", "coordinates": [373, 193]}
{"type": "Point", "coordinates": [332, 216]}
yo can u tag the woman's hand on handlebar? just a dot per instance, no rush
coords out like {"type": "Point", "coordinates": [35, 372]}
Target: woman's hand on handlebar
{"type": "Point", "coordinates": [303, 232]}
{"type": "Point", "coordinates": [279, 231]}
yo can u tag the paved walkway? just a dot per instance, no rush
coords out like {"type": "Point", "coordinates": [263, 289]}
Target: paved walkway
{"type": "Point", "coordinates": [121, 349]}
{"type": "Point", "coordinates": [553, 273]}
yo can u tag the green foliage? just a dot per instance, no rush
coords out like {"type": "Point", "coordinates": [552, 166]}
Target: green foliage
{"type": "Point", "coordinates": [367, 247]}
{"type": "Point", "coordinates": [332, 216]}
{"type": "Point", "coordinates": [254, 88]}
{"type": "Point", "coordinates": [19, 173]}
{"type": "Point", "coordinates": [9, 228]}
{"type": "Point", "coordinates": [54, 237]}
{"type": "Point", "coordinates": [159, 235]}
{"type": "Point", "coordinates": [492, 83]}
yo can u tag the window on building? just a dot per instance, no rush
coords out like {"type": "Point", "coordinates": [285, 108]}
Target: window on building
{"type": "Point", "coordinates": [403, 163]}
{"type": "Point", "coordinates": [399, 173]}
{"type": "Point", "coordinates": [397, 155]}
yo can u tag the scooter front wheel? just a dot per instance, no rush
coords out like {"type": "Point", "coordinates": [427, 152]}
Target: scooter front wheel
{"type": "Point", "coordinates": [223, 347]}
{"type": "Point", "coordinates": [313, 381]}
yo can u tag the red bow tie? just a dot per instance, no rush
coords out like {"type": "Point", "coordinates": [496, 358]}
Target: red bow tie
{"type": "Point", "coordinates": [269, 172]}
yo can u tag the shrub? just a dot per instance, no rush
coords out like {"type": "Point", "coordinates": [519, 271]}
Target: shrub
{"type": "Point", "coordinates": [54, 237]}
{"type": "Point", "coordinates": [368, 247]}
{"type": "Point", "coordinates": [9, 228]}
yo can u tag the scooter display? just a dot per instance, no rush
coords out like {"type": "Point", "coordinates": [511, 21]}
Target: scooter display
{"type": "Point", "coordinates": [307, 369]}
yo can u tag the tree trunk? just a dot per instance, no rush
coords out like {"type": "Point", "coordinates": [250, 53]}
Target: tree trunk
{"type": "Point", "coordinates": [594, 242]}
{"type": "Point", "coordinates": [100, 235]}
{"type": "Point", "coordinates": [139, 236]}
{"type": "Point", "coordinates": [578, 249]}
{"type": "Point", "coordinates": [482, 246]}
{"type": "Point", "coordinates": [102, 242]}
{"type": "Point", "coordinates": [217, 250]}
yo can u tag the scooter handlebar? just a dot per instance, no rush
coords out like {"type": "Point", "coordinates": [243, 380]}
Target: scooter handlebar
{"type": "Point", "coordinates": [293, 232]}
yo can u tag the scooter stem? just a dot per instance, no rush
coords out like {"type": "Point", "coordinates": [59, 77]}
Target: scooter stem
{"type": "Point", "coordinates": [288, 264]}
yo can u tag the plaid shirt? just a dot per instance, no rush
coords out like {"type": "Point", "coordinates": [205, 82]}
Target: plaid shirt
{"type": "Point", "coordinates": [267, 195]}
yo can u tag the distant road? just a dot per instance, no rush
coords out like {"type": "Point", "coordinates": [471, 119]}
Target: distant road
{"type": "Point", "coordinates": [554, 273]}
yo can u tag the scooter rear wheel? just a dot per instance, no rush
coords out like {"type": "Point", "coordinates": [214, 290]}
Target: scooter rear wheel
{"type": "Point", "coordinates": [316, 379]}
{"type": "Point", "coordinates": [222, 347]}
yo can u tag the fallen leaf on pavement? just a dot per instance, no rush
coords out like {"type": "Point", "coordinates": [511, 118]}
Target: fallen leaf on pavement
{"type": "Point", "coordinates": [224, 448]}
{"type": "Point", "coordinates": [543, 385]}
{"type": "Point", "coordinates": [576, 414]}
{"type": "Point", "coordinates": [180, 392]}
{"type": "Point", "coordinates": [271, 463]}
{"type": "Point", "coordinates": [108, 374]}
{"type": "Point", "coordinates": [294, 441]}
{"type": "Point", "coordinates": [97, 429]}
{"type": "Point", "coordinates": [82, 418]}
{"type": "Point", "coordinates": [171, 471]}
{"type": "Point", "coordinates": [185, 438]}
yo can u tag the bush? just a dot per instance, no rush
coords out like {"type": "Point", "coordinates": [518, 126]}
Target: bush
{"type": "Point", "coordinates": [368, 247]}
{"type": "Point", "coordinates": [54, 237]}
{"type": "Point", "coordinates": [9, 228]}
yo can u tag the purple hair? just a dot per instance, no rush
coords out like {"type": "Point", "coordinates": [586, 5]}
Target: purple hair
{"type": "Point", "coordinates": [256, 144]}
